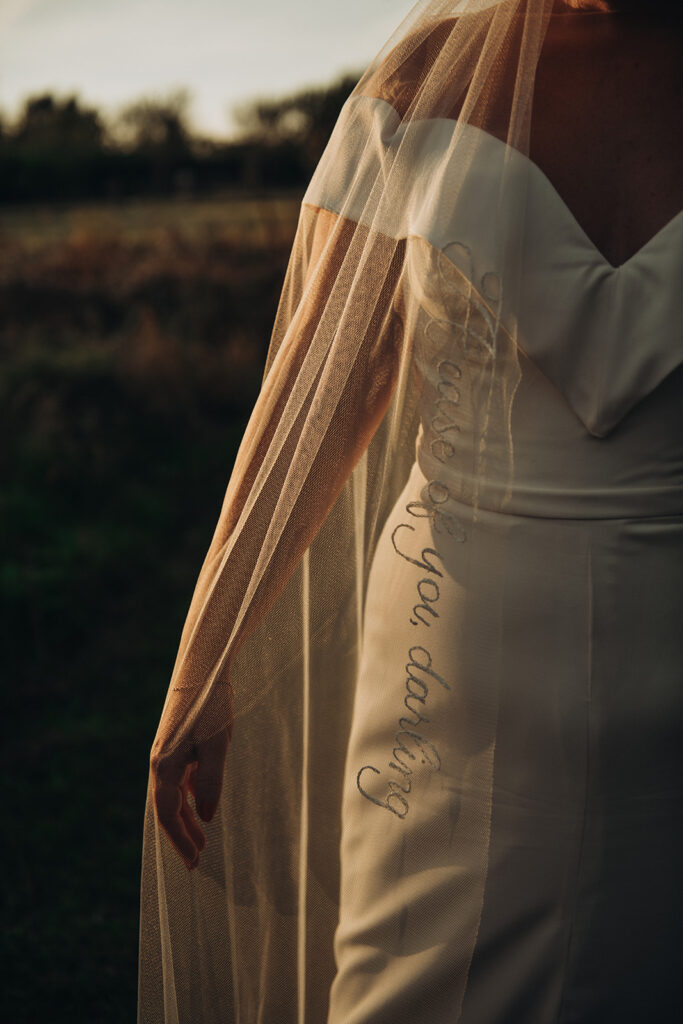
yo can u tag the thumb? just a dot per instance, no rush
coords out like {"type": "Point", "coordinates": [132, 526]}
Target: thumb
{"type": "Point", "coordinates": [208, 776]}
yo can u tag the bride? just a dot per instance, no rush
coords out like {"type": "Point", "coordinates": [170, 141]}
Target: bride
{"type": "Point", "coordinates": [420, 750]}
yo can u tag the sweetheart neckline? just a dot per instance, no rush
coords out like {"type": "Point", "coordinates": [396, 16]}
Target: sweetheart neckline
{"type": "Point", "coordinates": [543, 177]}
{"type": "Point", "coordinates": [568, 268]}
{"type": "Point", "coordinates": [571, 216]}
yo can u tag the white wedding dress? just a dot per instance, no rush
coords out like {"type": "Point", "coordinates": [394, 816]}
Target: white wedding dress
{"type": "Point", "coordinates": [533, 628]}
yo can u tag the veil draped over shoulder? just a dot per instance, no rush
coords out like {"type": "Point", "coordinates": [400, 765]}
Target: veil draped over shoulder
{"type": "Point", "coordinates": [383, 262]}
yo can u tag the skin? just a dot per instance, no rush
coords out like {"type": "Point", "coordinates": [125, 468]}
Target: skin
{"type": "Point", "coordinates": [616, 165]}
{"type": "Point", "coordinates": [197, 769]}
{"type": "Point", "coordinates": [617, 161]}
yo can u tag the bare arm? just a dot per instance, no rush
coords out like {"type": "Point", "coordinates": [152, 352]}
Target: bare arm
{"type": "Point", "coordinates": [364, 400]}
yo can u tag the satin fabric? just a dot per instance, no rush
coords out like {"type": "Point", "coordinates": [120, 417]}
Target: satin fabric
{"type": "Point", "coordinates": [547, 600]}
{"type": "Point", "coordinates": [536, 553]}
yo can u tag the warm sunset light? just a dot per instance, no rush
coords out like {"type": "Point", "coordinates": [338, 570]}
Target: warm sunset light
{"type": "Point", "coordinates": [112, 51]}
{"type": "Point", "coordinates": [341, 500]}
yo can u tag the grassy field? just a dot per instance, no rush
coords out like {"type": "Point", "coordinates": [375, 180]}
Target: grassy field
{"type": "Point", "coordinates": [132, 341]}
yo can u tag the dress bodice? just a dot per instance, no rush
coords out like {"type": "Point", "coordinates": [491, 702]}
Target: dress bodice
{"type": "Point", "coordinates": [550, 465]}
{"type": "Point", "coordinates": [581, 416]}
{"type": "Point", "coordinates": [579, 412]}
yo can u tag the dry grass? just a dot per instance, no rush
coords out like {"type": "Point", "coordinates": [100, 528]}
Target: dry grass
{"type": "Point", "coordinates": [254, 223]}
{"type": "Point", "coordinates": [132, 341]}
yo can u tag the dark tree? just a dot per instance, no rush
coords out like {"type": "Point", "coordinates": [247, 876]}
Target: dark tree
{"type": "Point", "coordinates": [305, 118]}
{"type": "Point", "coordinates": [158, 125]}
{"type": "Point", "coordinates": [48, 123]}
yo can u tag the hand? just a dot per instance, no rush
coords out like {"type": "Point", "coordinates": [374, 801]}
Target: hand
{"type": "Point", "coordinates": [196, 769]}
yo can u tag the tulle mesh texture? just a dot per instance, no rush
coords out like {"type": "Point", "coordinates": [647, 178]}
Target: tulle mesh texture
{"type": "Point", "coordinates": [273, 635]}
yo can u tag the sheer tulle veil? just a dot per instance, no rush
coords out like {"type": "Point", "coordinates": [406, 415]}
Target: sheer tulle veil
{"type": "Point", "coordinates": [385, 259]}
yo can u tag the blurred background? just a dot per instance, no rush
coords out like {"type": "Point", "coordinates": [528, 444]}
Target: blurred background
{"type": "Point", "coordinates": [153, 155]}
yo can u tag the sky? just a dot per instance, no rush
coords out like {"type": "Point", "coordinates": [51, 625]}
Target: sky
{"type": "Point", "coordinates": [110, 52]}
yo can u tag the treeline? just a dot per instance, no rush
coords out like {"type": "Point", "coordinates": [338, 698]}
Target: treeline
{"type": "Point", "coordinates": [60, 148]}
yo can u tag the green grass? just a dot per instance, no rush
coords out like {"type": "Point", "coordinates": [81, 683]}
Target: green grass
{"type": "Point", "coordinates": [129, 360]}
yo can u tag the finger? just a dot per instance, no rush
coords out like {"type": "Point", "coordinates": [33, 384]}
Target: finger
{"type": "Point", "coordinates": [168, 801]}
{"type": "Point", "coordinates": [192, 828]}
{"type": "Point", "coordinates": [208, 777]}
{"type": "Point", "coordinates": [169, 776]}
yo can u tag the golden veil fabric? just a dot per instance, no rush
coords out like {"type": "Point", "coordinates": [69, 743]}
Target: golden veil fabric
{"type": "Point", "coordinates": [271, 645]}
